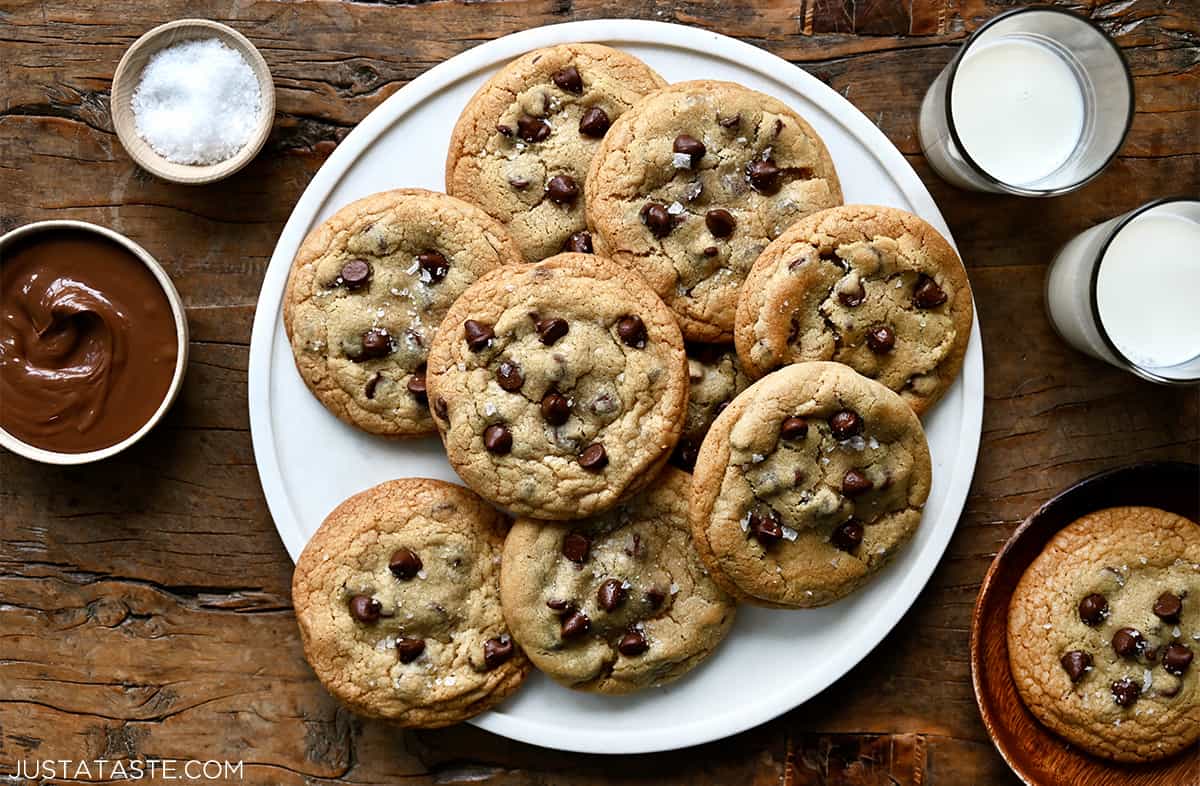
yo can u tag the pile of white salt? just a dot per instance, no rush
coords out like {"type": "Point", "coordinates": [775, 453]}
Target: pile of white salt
{"type": "Point", "coordinates": [197, 102]}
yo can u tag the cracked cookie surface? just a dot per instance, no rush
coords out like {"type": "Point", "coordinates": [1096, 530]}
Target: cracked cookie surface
{"type": "Point", "coordinates": [807, 484]}
{"type": "Point", "coordinates": [1103, 629]}
{"type": "Point", "coordinates": [398, 600]}
{"type": "Point", "coordinates": [715, 376]}
{"type": "Point", "coordinates": [522, 147]}
{"type": "Point", "coordinates": [694, 182]}
{"type": "Point", "coordinates": [366, 293]}
{"type": "Point", "coordinates": [873, 287]}
{"type": "Point", "coordinates": [615, 603]}
{"type": "Point", "coordinates": [559, 387]}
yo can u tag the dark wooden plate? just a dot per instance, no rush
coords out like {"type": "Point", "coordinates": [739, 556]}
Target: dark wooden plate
{"type": "Point", "coordinates": [1035, 754]}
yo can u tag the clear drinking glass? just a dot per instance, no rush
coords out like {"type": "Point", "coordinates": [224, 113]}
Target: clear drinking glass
{"type": "Point", "coordinates": [1036, 103]}
{"type": "Point", "coordinates": [1128, 291]}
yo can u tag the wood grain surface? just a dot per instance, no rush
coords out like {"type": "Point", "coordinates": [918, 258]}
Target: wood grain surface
{"type": "Point", "coordinates": [144, 602]}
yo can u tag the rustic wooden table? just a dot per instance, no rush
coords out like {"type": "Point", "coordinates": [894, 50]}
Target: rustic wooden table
{"type": "Point", "coordinates": [144, 601]}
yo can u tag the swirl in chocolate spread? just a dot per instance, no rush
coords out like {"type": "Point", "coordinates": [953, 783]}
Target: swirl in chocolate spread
{"type": "Point", "coordinates": [88, 342]}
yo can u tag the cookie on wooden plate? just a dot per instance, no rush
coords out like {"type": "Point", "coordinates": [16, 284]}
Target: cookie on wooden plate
{"type": "Point", "coordinates": [366, 293]}
{"type": "Point", "coordinates": [807, 484]}
{"type": "Point", "coordinates": [398, 600]}
{"type": "Point", "coordinates": [873, 287]}
{"type": "Point", "coordinates": [560, 387]}
{"type": "Point", "coordinates": [691, 185]}
{"type": "Point", "coordinates": [618, 602]}
{"type": "Point", "coordinates": [1103, 629]}
{"type": "Point", "coordinates": [522, 147]}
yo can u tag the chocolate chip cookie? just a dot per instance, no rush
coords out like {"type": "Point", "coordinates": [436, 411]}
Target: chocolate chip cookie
{"type": "Point", "coordinates": [398, 600]}
{"type": "Point", "coordinates": [618, 602]}
{"type": "Point", "coordinates": [366, 293]}
{"type": "Point", "coordinates": [522, 146]}
{"type": "Point", "coordinates": [560, 387]}
{"type": "Point", "coordinates": [716, 376]}
{"type": "Point", "coordinates": [808, 483]}
{"type": "Point", "coordinates": [1102, 631]}
{"type": "Point", "coordinates": [873, 287]}
{"type": "Point", "coordinates": [693, 183]}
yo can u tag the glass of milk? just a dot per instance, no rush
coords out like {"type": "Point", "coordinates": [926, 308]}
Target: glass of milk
{"type": "Point", "coordinates": [1036, 103]}
{"type": "Point", "coordinates": [1128, 291]}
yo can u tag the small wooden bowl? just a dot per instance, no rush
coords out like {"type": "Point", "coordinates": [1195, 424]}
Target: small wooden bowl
{"type": "Point", "coordinates": [1035, 754]}
{"type": "Point", "coordinates": [129, 72]}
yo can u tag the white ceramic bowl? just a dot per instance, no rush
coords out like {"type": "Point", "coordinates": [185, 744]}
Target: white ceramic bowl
{"type": "Point", "coordinates": [21, 448]}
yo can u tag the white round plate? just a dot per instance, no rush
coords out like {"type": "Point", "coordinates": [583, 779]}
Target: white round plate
{"type": "Point", "coordinates": [309, 461]}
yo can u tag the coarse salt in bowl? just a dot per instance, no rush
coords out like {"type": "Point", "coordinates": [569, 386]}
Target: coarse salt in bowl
{"type": "Point", "coordinates": [193, 101]}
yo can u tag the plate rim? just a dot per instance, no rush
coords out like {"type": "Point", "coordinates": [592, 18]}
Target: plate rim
{"type": "Point", "coordinates": [617, 31]}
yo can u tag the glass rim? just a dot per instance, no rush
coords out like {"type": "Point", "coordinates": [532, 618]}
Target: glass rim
{"type": "Point", "coordinates": [974, 165]}
{"type": "Point", "coordinates": [1095, 304]}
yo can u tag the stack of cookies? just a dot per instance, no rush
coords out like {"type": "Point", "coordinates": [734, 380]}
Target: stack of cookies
{"type": "Point", "coordinates": [614, 264]}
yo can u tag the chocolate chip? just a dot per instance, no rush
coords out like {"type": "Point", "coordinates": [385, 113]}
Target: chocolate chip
{"type": "Point", "coordinates": [1176, 659]}
{"type": "Point", "coordinates": [691, 147]}
{"type": "Point", "coordinates": [711, 251]}
{"type": "Point", "coordinates": [793, 428]}
{"type": "Point", "coordinates": [594, 123]}
{"type": "Point", "coordinates": [575, 547]}
{"type": "Point", "coordinates": [852, 298]}
{"type": "Point", "coordinates": [778, 127]}
{"type": "Point", "coordinates": [632, 331]}
{"type": "Point", "coordinates": [579, 243]}
{"type": "Point", "coordinates": [532, 129]}
{"type": "Point", "coordinates": [551, 329]}
{"type": "Point", "coordinates": [1168, 607]}
{"type": "Point", "coordinates": [416, 385]}
{"type": "Point", "coordinates": [479, 335]}
{"type": "Point", "coordinates": [633, 643]}
{"type": "Point", "coordinates": [720, 223]}
{"type": "Point", "coordinates": [881, 339]}
{"type": "Point", "coordinates": [1127, 642]}
{"type": "Point", "coordinates": [404, 564]}
{"type": "Point", "coordinates": [1093, 609]}
{"type": "Point", "coordinates": [1076, 663]}
{"type": "Point", "coordinates": [568, 79]}
{"type": "Point", "coordinates": [610, 595]}
{"type": "Point", "coordinates": [654, 597]}
{"type": "Point", "coordinates": [593, 458]}
{"type": "Point", "coordinates": [575, 624]}
{"type": "Point", "coordinates": [504, 130]}
{"type": "Point", "coordinates": [855, 483]}
{"type": "Point", "coordinates": [1125, 691]}
{"type": "Point", "coordinates": [372, 383]}
{"type": "Point", "coordinates": [356, 273]}
{"type": "Point", "coordinates": [767, 528]}
{"type": "Point", "coordinates": [509, 377]}
{"type": "Point", "coordinates": [376, 343]}
{"type": "Point", "coordinates": [733, 121]}
{"type": "Point", "coordinates": [497, 651]}
{"type": "Point", "coordinates": [657, 219]}
{"type": "Point", "coordinates": [441, 408]}
{"type": "Point", "coordinates": [519, 183]}
{"type": "Point", "coordinates": [845, 424]}
{"type": "Point", "coordinates": [497, 439]}
{"type": "Point", "coordinates": [409, 649]}
{"type": "Point", "coordinates": [763, 175]}
{"type": "Point", "coordinates": [434, 266]}
{"type": "Point", "coordinates": [686, 453]}
{"type": "Point", "coordinates": [560, 605]}
{"type": "Point", "coordinates": [927, 294]}
{"type": "Point", "coordinates": [562, 189]}
{"type": "Point", "coordinates": [555, 408]}
{"type": "Point", "coordinates": [365, 609]}
{"type": "Point", "coordinates": [847, 535]}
